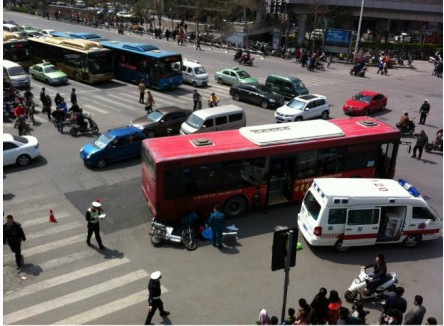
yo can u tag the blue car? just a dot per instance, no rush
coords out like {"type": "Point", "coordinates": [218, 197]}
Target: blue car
{"type": "Point", "coordinates": [114, 145]}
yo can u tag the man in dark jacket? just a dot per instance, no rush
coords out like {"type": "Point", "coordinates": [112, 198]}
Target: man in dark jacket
{"type": "Point", "coordinates": [421, 141]}
{"type": "Point", "coordinates": [14, 235]}
{"type": "Point", "coordinates": [154, 301]}
{"type": "Point", "coordinates": [380, 274]}
{"type": "Point", "coordinates": [320, 306]}
{"type": "Point", "coordinates": [424, 110]}
{"type": "Point", "coordinates": [396, 302]}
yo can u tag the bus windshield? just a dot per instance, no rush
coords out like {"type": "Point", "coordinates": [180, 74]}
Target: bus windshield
{"type": "Point", "coordinates": [167, 66]}
{"type": "Point", "coordinates": [16, 52]}
{"type": "Point", "coordinates": [100, 62]}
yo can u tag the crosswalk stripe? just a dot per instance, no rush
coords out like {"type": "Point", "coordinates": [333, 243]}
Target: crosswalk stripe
{"type": "Point", "coordinates": [67, 299]}
{"type": "Point", "coordinates": [56, 262]}
{"type": "Point", "coordinates": [105, 309]}
{"type": "Point", "coordinates": [54, 229]}
{"type": "Point", "coordinates": [52, 245]}
{"type": "Point", "coordinates": [65, 278]}
{"type": "Point", "coordinates": [44, 219]}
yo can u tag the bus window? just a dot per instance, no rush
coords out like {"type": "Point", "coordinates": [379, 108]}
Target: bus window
{"type": "Point", "coordinates": [360, 156]}
{"type": "Point", "coordinates": [306, 164]}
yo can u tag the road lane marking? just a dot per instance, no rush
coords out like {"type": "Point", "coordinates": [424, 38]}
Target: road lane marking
{"type": "Point", "coordinates": [106, 309]}
{"type": "Point", "coordinates": [54, 229]}
{"type": "Point", "coordinates": [70, 298]}
{"type": "Point", "coordinates": [65, 278]}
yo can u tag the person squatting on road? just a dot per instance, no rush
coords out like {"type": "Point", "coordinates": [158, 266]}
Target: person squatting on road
{"type": "Point", "coordinates": [154, 301]}
{"type": "Point", "coordinates": [92, 216]}
{"type": "Point", "coordinates": [13, 234]}
{"type": "Point", "coordinates": [217, 224]}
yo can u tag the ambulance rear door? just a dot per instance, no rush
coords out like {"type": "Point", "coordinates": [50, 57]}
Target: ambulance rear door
{"type": "Point", "coordinates": [362, 226]}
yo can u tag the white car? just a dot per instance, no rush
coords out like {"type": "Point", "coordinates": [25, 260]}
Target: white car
{"type": "Point", "coordinates": [302, 108]}
{"type": "Point", "coordinates": [19, 149]}
{"type": "Point", "coordinates": [47, 32]}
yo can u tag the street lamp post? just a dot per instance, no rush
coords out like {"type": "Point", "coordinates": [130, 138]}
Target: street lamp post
{"type": "Point", "coordinates": [358, 37]}
{"type": "Point", "coordinates": [171, 16]}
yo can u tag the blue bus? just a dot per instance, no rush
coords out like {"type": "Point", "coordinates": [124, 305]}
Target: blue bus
{"type": "Point", "coordinates": [134, 62]}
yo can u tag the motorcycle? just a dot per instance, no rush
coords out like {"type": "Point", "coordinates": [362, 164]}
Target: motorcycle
{"type": "Point", "coordinates": [355, 291]}
{"type": "Point", "coordinates": [409, 130]}
{"type": "Point", "coordinates": [360, 73]}
{"type": "Point", "coordinates": [77, 127]}
{"type": "Point", "coordinates": [433, 147]}
{"type": "Point", "coordinates": [161, 232]}
{"type": "Point", "coordinates": [213, 104]}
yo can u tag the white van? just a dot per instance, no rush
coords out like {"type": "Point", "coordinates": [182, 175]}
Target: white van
{"type": "Point", "coordinates": [15, 75]}
{"type": "Point", "coordinates": [224, 117]}
{"type": "Point", "coordinates": [11, 28]}
{"type": "Point", "coordinates": [357, 212]}
{"type": "Point", "coordinates": [193, 73]}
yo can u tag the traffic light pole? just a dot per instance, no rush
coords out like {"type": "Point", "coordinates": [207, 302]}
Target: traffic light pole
{"type": "Point", "coordinates": [287, 272]}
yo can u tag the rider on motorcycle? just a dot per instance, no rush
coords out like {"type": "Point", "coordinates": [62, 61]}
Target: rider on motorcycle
{"type": "Point", "coordinates": [238, 54]}
{"type": "Point", "coordinates": [404, 121]}
{"type": "Point", "coordinates": [380, 274]}
{"type": "Point", "coordinates": [246, 57]}
{"type": "Point", "coordinates": [213, 100]}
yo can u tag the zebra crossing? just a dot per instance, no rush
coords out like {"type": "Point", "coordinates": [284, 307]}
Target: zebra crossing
{"type": "Point", "coordinates": [72, 275]}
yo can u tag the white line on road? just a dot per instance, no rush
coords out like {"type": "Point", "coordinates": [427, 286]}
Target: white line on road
{"type": "Point", "coordinates": [65, 278]}
{"type": "Point", "coordinates": [54, 229]}
{"type": "Point", "coordinates": [56, 262]}
{"type": "Point", "coordinates": [73, 297]}
{"type": "Point", "coordinates": [106, 309]}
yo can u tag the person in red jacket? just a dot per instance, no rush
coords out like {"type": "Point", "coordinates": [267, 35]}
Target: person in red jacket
{"type": "Point", "coordinates": [334, 307]}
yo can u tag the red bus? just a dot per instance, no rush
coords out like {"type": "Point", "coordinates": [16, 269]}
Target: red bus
{"type": "Point", "coordinates": [260, 165]}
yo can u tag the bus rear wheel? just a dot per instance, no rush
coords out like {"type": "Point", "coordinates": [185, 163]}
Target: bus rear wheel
{"type": "Point", "coordinates": [235, 207]}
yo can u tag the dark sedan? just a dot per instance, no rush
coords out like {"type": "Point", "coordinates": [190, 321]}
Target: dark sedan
{"type": "Point", "coordinates": [257, 94]}
{"type": "Point", "coordinates": [162, 121]}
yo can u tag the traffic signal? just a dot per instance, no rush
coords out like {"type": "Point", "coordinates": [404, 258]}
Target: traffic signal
{"type": "Point", "coordinates": [283, 6]}
{"type": "Point", "coordinates": [278, 3]}
{"type": "Point", "coordinates": [279, 249]}
{"type": "Point", "coordinates": [272, 4]}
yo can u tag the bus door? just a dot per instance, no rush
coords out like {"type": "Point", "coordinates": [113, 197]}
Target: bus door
{"type": "Point", "coordinates": [279, 183]}
{"type": "Point", "coordinates": [362, 226]}
{"type": "Point", "coordinates": [154, 75]}
{"type": "Point", "coordinates": [385, 160]}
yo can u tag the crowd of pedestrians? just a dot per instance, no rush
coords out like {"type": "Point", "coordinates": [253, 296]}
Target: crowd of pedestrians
{"type": "Point", "coordinates": [330, 310]}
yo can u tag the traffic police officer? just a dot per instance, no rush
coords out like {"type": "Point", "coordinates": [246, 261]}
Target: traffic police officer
{"type": "Point", "coordinates": [154, 301]}
{"type": "Point", "coordinates": [92, 216]}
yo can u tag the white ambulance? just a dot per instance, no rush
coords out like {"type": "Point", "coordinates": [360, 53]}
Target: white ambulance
{"type": "Point", "coordinates": [358, 212]}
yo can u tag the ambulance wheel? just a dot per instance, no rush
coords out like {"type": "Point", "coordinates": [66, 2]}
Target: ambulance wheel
{"type": "Point", "coordinates": [338, 246]}
{"type": "Point", "coordinates": [412, 241]}
{"type": "Point", "coordinates": [350, 296]}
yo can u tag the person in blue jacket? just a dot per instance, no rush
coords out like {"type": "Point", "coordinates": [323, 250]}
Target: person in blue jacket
{"type": "Point", "coordinates": [217, 223]}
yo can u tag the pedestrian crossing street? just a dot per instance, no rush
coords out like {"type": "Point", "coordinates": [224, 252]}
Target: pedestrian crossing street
{"type": "Point", "coordinates": [75, 284]}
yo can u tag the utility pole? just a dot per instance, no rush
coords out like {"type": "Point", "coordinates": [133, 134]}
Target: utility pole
{"type": "Point", "coordinates": [358, 37]}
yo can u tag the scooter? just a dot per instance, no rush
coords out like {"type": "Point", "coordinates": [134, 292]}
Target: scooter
{"type": "Point", "coordinates": [409, 130]}
{"type": "Point", "coordinates": [161, 232]}
{"type": "Point", "coordinates": [76, 127]}
{"type": "Point", "coordinates": [433, 147]}
{"type": "Point", "coordinates": [355, 291]}
{"type": "Point", "coordinates": [249, 62]}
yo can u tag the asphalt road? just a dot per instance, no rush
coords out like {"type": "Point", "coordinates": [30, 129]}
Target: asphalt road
{"type": "Point", "coordinates": [205, 286]}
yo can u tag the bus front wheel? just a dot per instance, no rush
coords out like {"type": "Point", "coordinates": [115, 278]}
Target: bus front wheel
{"type": "Point", "coordinates": [235, 207]}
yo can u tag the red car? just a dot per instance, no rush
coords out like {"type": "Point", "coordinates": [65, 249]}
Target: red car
{"type": "Point", "coordinates": [365, 102]}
